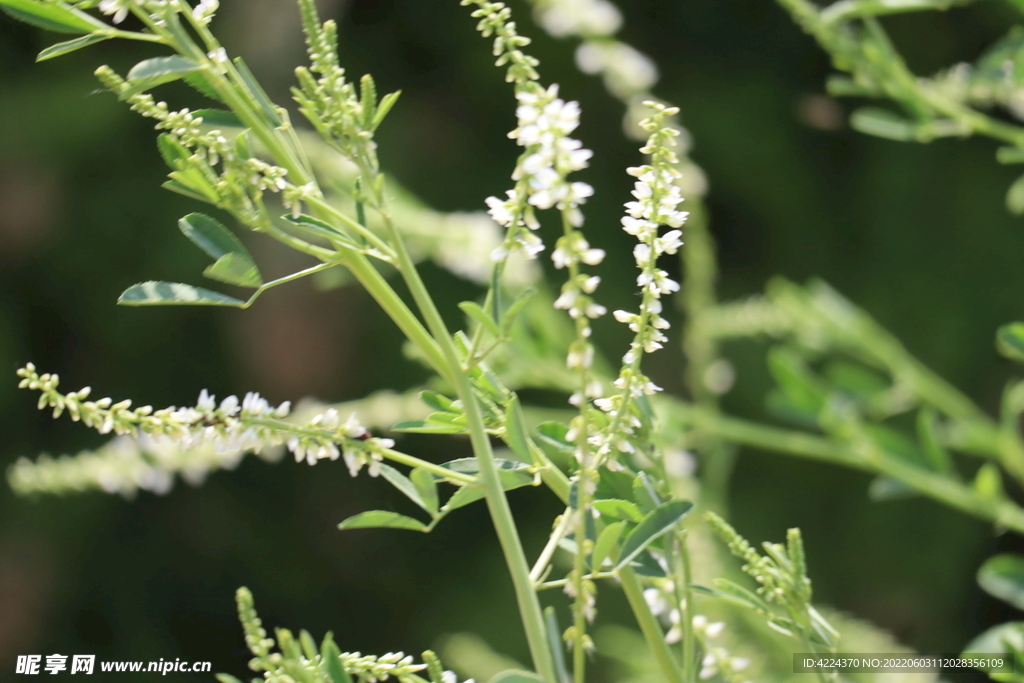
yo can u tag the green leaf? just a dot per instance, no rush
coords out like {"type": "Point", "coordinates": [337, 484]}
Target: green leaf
{"type": "Point", "coordinates": [474, 311]}
{"type": "Point", "coordinates": [234, 265]}
{"type": "Point", "coordinates": [235, 269]}
{"type": "Point", "coordinates": [508, 319]}
{"type": "Point", "coordinates": [883, 123]}
{"type": "Point", "coordinates": [732, 592]}
{"type": "Point", "coordinates": [325, 230]}
{"type": "Point", "coordinates": [186, 191]}
{"type": "Point", "coordinates": [1002, 576]}
{"type": "Point", "coordinates": [53, 16]}
{"type": "Point", "coordinates": [513, 475]}
{"type": "Point", "coordinates": [796, 380]}
{"type": "Point", "coordinates": [657, 522]}
{"type": "Point", "coordinates": [554, 634]}
{"type": "Point", "coordinates": [403, 484]}
{"type": "Point", "coordinates": [227, 678]}
{"type": "Point", "coordinates": [1010, 341]}
{"type": "Point", "coordinates": [266, 104]}
{"type": "Point", "coordinates": [198, 81]}
{"type": "Point", "coordinates": [928, 434]}
{"type": "Point", "coordinates": [156, 71]}
{"type": "Point", "coordinates": [619, 509]}
{"type": "Point", "coordinates": [71, 45]}
{"type": "Point", "coordinates": [154, 293]}
{"type": "Point", "coordinates": [439, 402]}
{"type": "Point", "coordinates": [382, 519]}
{"type": "Point", "coordinates": [644, 494]}
{"type": "Point", "coordinates": [515, 431]}
{"type": "Point", "coordinates": [1015, 197]}
{"type": "Point", "coordinates": [514, 676]}
{"type": "Point", "coordinates": [850, 9]}
{"type": "Point", "coordinates": [219, 118]}
{"type": "Point", "coordinates": [332, 660]}
{"type": "Point", "coordinates": [423, 427]}
{"type": "Point", "coordinates": [384, 107]}
{"type": "Point", "coordinates": [737, 594]}
{"type": "Point", "coordinates": [988, 483]}
{"type": "Point", "coordinates": [1004, 638]}
{"type": "Point", "coordinates": [606, 544]}
{"type": "Point", "coordinates": [426, 484]}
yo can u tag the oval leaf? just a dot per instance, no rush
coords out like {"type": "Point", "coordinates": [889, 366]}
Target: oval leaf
{"type": "Point", "coordinates": [155, 293]}
{"type": "Point", "coordinates": [1002, 577]}
{"type": "Point", "coordinates": [657, 522]}
{"type": "Point", "coordinates": [1010, 341]}
{"type": "Point", "coordinates": [150, 73]}
{"type": "Point", "coordinates": [515, 431]}
{"type": "Point", "coordinates": [474, 311]}
{"type": "Point", "coordinates": [210, 235]}
{"type": "Point", "coordinates": [403, 484]}
{"type": "Point", "coordinates": [70, 46]}
{"type": "Point", "coordinates": [53, 16]}
{"type": "Point", "coordinates": [235, 269]}
{"type": "Point", "coordinates": [1008, 637]}
{"type": "Point", "coordinates": [382, 519]}
{"type": "Point", "coordinates": [426, 484]}
{"type": "Point", "coordinates": [605, 545]}
{"type": "Point", "coordinates": [619, 509]}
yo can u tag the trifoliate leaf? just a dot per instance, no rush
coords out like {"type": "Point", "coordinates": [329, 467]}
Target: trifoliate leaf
{"type": "Point", "coordinates": [234, 265]}
{"type": "Point", "coordinates": [426, 485]}
{"type": "Point", "coordinates": [403, 484]}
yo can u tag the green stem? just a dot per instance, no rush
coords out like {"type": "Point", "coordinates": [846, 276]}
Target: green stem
{"type": "Point", "coordinates": [497, 503]}
{"type": "Point", "coordinates": [683, 581]}
{"type": "Point", "coordinates": [649, 626]}
{"type": "Point", "coordinates": [932, 484]}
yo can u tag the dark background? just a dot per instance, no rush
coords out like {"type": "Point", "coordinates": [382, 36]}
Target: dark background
{"type": "Point", "coordinates": [918, 235]}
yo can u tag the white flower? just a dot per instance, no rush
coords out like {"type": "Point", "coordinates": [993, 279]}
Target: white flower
{"type": "Point", "coordinates": [119, 8]}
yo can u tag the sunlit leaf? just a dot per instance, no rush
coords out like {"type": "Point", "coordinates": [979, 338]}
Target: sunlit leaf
{"type": "Point", "coordinates": [1002, 576]}
{"type": "Point", "coordinates": [657, 522]}
{"type": "Point", "coordinates": [53, 16]}
{"type": "Point", "coordinates": [382, 519]}
{"type": "Point", "coordinates": [71, 45]}
{"type": "Point", "coordinates": [155, 293]}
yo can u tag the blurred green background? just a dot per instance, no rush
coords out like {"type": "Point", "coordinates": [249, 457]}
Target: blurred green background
{"type": "Point", "coordinates": [918, 235]}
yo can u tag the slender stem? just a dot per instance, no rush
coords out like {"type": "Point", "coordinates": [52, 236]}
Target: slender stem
{"type": "Point", "coordinates": [549, 549]}
{"type": "Point", "coordinates": [649, 626]}
{"type": "Point", "coordinates": [497, 503]}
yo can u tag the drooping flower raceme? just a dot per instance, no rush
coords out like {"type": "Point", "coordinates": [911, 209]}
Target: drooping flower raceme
{"type": "Point", "coordinates": [231, 427]}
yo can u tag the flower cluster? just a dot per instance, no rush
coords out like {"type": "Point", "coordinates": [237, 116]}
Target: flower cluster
{"type": "Point", "coordinates": [563, 18]}
{"type": "Point", "coordinates": [656, 198]}
{"type": "Point", "coordinates": [125, 466]}
{"type": "Point", "coordinates": [231, 427]}
{"type": "Point", "coordinates": [717, 660]}
{"type": "Point", "coordinates": [204, 11]}
{"type": "Point", "coordinates": [345, 117]}
{"type": "Point", "coordinates": [301, 662]}
{"type": "Point", "coordinates": [544, 124]}
{"type": "Point", "coordinates": [543, 127]}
